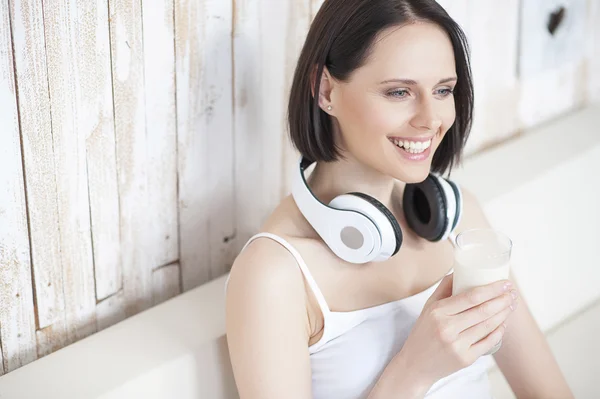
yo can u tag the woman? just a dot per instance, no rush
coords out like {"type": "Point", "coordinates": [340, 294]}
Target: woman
{"type": "Point", "coordinates": [381, 97]}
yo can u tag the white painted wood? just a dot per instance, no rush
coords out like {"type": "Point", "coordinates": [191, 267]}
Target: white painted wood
{"type": "Point", "coordinates": [165, 281]}
{"type": "Point", "coordinates": [96, 123]}
{"type": "Point", "coordinates": [34, 110]}
{"type": "Point", "coordinates": [205, 139]}
{"type": "Point", "coordinates": [297, 29]}
{"type": "Point", "coordinates": [17, 320]}
{"type": "Point", "coordinates": [110, 311]}
{"type": "Point", "coordinates": [67, 81]}
{"type": "Point", "coordinates": [260, 108]}
{"type": "Point", "coordinates": [593, 51]}
{"type": "Point", "coordinates": [161, 134]}
{"type": "Point", "coordinates": [493, 38]}
{"type": "Point", "coordinates": [315, 5]}
{"type": "Point", "coordinates": [132, 165]}
{"type": "Point", "coordinates": [459, 11]}
{"type": "Point", "coordinates": [551, 67]}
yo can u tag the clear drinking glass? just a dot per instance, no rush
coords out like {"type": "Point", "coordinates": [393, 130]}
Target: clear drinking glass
{"type": "Point", "coordinates": [481, 256]}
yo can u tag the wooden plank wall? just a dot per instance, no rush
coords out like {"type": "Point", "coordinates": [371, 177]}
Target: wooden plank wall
{"type": "Point", "coordinates": [143, 142]}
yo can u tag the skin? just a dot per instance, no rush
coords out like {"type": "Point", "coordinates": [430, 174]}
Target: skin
{"type": "Point", "coordinates": [268, 338]}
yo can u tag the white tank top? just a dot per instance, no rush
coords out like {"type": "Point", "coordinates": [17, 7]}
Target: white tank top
{"type": "Point", "coordinates": [356, 346]}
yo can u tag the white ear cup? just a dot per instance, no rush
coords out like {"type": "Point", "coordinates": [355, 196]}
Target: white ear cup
{"type": "Point", "coordinates": [451, 205]}
{"type": "Point", "coordinates": [351, 235]}
{"type": "Point", "coordinates": [385, 237]}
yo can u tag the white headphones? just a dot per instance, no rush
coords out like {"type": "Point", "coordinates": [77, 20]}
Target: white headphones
{"type": "Point", "coordinates": [359, 229]}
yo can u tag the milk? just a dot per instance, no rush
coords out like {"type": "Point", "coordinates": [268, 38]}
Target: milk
{"type": "Point", "coordinates": [476, 265]}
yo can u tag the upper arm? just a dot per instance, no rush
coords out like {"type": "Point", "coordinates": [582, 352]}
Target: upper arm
{"type": "Point", "coordinates": [267, 324]}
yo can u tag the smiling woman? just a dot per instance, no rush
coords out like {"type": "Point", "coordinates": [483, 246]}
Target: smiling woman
{"type": "Point", "coordinates": [358, 257]}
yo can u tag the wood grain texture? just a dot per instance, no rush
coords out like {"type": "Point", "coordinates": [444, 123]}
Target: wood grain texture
{"type": "Point", "coordinates": [110, 311]}
{"type": "Point", "coordinates": [40, 173]}
{"type": "Point", "coordinates": [96, 124]}
{"type": "Point", "coordinates": [298, 23]}
{"type": "Point", "coordinates": [259, 109]}
{"type": "Point", "coordinates": [493, 31]}
{"type": "Point", "coordinates": [17, 320]}
{"type": "Point", "coordinates": [130, 129]}
{"type": "Point", "coordinates": [205, 139]}
{"type": "Point", "coordinates": [551, 66]}
{"type": "Point", "coordinates": [161, 135]}
{"type": "Point", "coordinates": [69, 74]}
{"type": "Point", "coordinates": [593, 51]}
{"type": "Point", "coordinates": [165, 282]}
{"type": "Point", "coordinates": [36, 131]}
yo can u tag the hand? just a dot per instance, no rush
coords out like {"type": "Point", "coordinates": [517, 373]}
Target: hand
{"type": "Point", "coordinates": [453, 331]}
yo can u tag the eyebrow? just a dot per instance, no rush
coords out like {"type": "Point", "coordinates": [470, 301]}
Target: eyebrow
{"type": "Point", "coordinates": [414, 82]}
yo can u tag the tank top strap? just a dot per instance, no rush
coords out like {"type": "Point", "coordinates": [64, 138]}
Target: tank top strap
{"type": "Point", "coordinates": [303, 268]}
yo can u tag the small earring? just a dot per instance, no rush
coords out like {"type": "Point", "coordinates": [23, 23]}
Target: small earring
{"type": "Point", "coordinates": [329, 108]}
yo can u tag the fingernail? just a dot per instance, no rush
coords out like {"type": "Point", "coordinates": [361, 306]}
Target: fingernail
{"type": "Point", "coordinates": [507, 286]}
{"type": "Point", "coordinates": [513, 293]}
{"type": "Point", "coordinates": [504, 324]}
{"type": "Point", "coordinates": [513, 306]}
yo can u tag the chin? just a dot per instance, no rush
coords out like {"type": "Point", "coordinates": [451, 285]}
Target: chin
{"type": "Point", "coordinates": [412, 177]}
{"type": "Point", "coordinates": [410, 172]}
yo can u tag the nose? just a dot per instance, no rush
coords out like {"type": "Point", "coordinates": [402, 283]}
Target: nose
{"type": "Point", "coordinates": [425, 116]}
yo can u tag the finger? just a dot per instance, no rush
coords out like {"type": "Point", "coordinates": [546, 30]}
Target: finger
{"type": "Point", "coordinates": [475, 296]}
{"type": "Point", "coordinates": [443, 290]}
{"type": "Point", "coordinates": [480, 313]}
{"type": "Point", "coordinates": [480, 331]}
{"type": "Point", "coordinates": [485, 345]}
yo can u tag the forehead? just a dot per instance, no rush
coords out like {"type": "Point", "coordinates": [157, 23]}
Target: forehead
{"type": "Point", "coordinates": [419, 51]}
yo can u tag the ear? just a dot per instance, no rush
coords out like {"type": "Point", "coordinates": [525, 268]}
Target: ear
{"type": "Point", "coordinates": [326, 87]}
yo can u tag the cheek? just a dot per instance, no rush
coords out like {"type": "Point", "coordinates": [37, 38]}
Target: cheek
{"type": "Point", "coordinates": [369, 116]}
{"type": "Point", "coordinates": [447, 115]}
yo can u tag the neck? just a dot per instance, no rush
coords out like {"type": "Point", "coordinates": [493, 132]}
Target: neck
{"type": "Point", "coordinates": [330, 179]}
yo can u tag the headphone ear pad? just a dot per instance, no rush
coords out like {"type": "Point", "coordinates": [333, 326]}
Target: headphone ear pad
{"type": "Point", "coordinates": [425, 208]}
{"type": "Point", "coordinates": [386, 212]}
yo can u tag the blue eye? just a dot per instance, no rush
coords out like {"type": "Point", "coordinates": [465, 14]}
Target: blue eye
{"type": "Point", "coordinates": [401, 93]}
{"type": "Point", "coordinates": [445, 92]}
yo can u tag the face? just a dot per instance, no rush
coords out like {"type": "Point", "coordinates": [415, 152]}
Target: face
{"type": "Point", "coordinates": [393, 112]}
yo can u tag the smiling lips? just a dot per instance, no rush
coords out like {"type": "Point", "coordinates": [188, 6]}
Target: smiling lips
{"type": "Point", "coordinates": [412, 146]}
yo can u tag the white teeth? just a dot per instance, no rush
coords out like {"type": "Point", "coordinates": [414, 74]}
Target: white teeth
{"type": "Point", "coordinates": [414, 147]}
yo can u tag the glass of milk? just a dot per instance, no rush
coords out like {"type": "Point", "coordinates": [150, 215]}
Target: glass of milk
{"type": "Point", "coordinates": [481, 256]}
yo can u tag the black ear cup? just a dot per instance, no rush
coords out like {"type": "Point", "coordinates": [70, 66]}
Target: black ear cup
{"type": "Point", "coordinates": [382, 208]}
{"type": "Point", "coordinates": [425, 208]}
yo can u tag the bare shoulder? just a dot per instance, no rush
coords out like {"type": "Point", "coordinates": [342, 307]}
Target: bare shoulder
{"type": "Point", "coordinates": [267, 325]}
{"type": "Point", "coordinates": [473, 215]}
{"type": "Point", "coordinates": [265, 269]}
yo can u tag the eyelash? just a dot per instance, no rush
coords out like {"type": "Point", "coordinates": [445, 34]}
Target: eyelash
{"type": "Point", "coordinates": [394, 92]}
